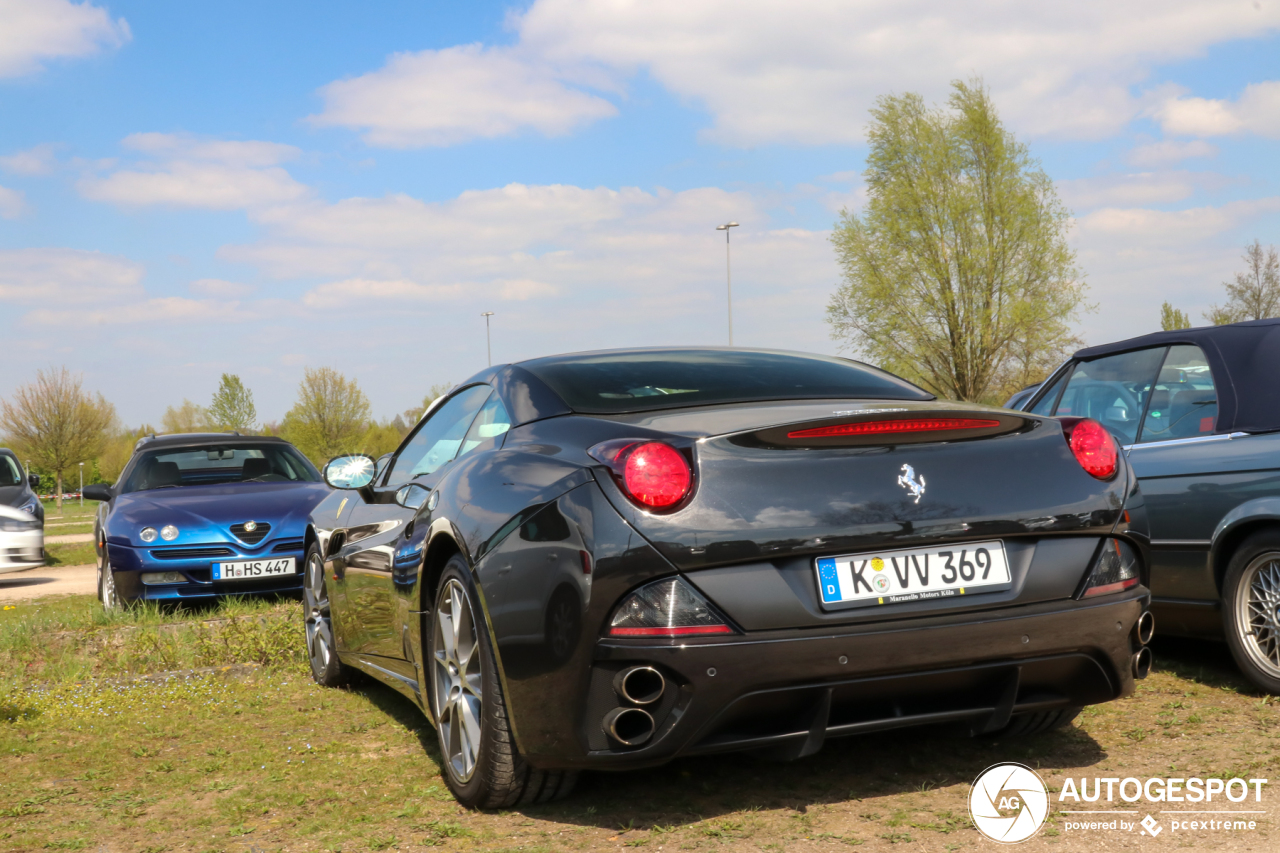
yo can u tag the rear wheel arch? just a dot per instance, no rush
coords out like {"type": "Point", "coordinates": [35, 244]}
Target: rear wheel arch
{"type": "Point", "coordinates": [1226, 543]}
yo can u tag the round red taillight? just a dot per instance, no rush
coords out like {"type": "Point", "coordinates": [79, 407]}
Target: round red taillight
{"type": "Point", "coordinates": [657, 475]}
{"type": "Point", "coordinates": [1094, 448]}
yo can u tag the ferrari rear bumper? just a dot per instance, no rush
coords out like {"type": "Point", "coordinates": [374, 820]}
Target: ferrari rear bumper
{"type": "Point", "coordinates": [787, 691]}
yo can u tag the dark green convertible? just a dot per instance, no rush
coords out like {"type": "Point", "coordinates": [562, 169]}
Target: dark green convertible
{"type": "Point", "coordinates": [1198, 414]}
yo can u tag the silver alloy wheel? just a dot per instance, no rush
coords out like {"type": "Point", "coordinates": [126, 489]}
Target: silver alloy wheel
{"type": "Point", "coordinates": [458, 681]}
{"type": "Point", "coordinates": [108, 587]}
{"type": "Point", "coordinates": [1257, 607]}
{"type": "Point", "coordinates": [319, 622]}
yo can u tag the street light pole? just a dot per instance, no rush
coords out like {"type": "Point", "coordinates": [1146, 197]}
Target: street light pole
{"type": "Point", "coordinates": [488, 345]}
{"type": "Point", "coordinates": [728, 273]}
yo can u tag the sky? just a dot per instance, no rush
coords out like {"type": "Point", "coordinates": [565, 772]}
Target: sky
{"type": "Point", "coordinates": [257, 188]}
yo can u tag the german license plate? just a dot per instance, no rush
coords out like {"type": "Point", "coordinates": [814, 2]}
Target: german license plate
{"type": "Point", "coordinates": [914, 574]}
{"type": "Point", "coordinates": [249, 569]}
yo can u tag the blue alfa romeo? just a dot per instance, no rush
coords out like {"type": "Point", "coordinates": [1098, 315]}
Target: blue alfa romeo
{"type": "Point", "coordinates": [202, 515]}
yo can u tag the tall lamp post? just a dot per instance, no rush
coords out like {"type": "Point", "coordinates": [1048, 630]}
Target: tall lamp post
{"type": "Point", "coordinates": [728, 274]}
{"type": "Point", "coordinates": [488, 344]}
{"type": "Point", "coordinates": [81, 484]}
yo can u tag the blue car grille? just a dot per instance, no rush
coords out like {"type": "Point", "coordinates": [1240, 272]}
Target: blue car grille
{"type": "Point", "coordinates": [190, 553]}
{"type": "Point", "coordinates": [253, 537]}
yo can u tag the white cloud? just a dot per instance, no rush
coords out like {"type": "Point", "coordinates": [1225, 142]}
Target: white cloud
{"type": "Point", "coordinates": [221, 289]}
{"type": "Point", "coordinates": [33, 161]}
{"type": "Point", "coordinates": [66, 276]}
{"type": "Point", "coordinates": [199, 173]}
{"type": "Point", "coordinates": [166, 310]}
{"type": "Point", "coordinates": [1138, 258]}
{"type": "Point", "coordinates": [1137, 189]}
{"type": "Point", "coordinates": [799, 72]}
{"type": "Point", "coordinates": [1256, 111]}
{"type": "Point", "coordinates": [12, 203]}
{"type": "Point", "coordinates": [226, 151]}
{"type": "Point", "coordinates": [37, 30]}
{"type": "Point", "coordinates": [1169, 151]}
{"type": "Point", "coordinates": [443, 97]}
{"type": "Point", "coordinates": [563, 266]}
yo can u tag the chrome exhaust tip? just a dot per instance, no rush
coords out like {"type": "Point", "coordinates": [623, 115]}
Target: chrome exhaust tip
{"type": "Point", "coordinates": [639, 685]}
{"type": "Point", "coordinates": [1142, 663]}
{"type": "Point", "coordinates": [629, 726]}
{"type": "Point", "coordinates": [1146, 627]}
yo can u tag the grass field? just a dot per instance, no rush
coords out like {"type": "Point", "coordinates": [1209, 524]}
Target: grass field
{"type": "Point", "coordinates": [258, 758]}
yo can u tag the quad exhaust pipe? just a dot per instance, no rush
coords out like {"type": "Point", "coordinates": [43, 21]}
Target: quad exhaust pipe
{"type": "Point", "coordinates": [1142, 663]}
{"type": "Point", "coordinates": [1146, 627]}
{"type": "Point", "coordinates": [639, 685]}
{"type": "Point", "coordinates": [629, 726]}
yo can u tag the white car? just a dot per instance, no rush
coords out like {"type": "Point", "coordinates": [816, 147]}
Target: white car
{"type": "Point", "coordinates": [21, 540]}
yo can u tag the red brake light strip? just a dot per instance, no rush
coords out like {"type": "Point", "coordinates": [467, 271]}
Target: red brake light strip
{"type": "Point", "coordinates": [904, 425]}
{"type": "Point", "coordinates": [670, 632]}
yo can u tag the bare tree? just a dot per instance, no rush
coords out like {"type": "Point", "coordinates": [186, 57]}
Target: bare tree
{"type": "Point", "coordinates": [330, 416]}
{"type": "Point", "coordinates": [56, 423]}
{"type": "Point", "coordinates": [1255, 293]}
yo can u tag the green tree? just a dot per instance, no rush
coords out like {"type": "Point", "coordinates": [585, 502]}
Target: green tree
{"type": "Point", "coordinates": [380, 438]}
{"type": "Point", "coordinates": [1255, 293]}
{"type": "Point", "coordinates": [232, 407]}
{"type": "Point", "coordinates": [330, 417]}
{"type": "Point", "coordinates": [189, 417]}
{"type": "Point", "coordinates": [1171, 318]}
{"type": "Point", "coordinates": [55, 423]}
{"type": "Point", "coordinates": [957, 274]}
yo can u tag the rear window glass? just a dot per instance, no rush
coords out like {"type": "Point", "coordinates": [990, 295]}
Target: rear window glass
{"type": "Point", "coordinates": [611, 383]}
{"type": "Point", "coordinates": [214, 465]}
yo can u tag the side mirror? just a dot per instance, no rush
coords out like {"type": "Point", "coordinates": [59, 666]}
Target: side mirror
{"type": "Point", "coordinates": [412, 496]}
{"type": "Point", "coordinates": [97, 492]}
{"type": "Point", "coordinates": [350, 472]}
{"type": "Point", "coordinates": [34, 480]}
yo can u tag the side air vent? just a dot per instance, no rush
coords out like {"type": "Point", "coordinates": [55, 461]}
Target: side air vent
{"type": "Point", "coordinates": [288, 545]}
{"type": "Point", "coordinates": [251, 537]}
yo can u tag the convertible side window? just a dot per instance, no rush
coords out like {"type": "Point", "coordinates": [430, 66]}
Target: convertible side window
{"type": "Point", "coordinates": [1045, 404]}
{"type": "Point", "coordinates": [438, 437]}
{"type": "Point", "coordinates": [492, 422]}
{"type": "Point", "coordinates": [1112, 390]}
{"type": "Point", "coordinates": [1184, 403]}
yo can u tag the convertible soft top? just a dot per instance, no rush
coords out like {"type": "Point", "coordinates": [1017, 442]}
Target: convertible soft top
{"type": "Point", "coordinates": [1245, 360]}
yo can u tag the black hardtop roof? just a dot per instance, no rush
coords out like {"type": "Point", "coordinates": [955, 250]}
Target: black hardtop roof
{"type": "Point", "coordinates": [201, 439]}
{"type": "Point", "coordinates": [558, 358]}
{"type": "Point", "coordinates": [1244, 359]}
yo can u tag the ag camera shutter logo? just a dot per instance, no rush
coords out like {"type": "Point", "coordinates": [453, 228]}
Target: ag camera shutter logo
{"type": "Point", "coordinates": [1008, 803]}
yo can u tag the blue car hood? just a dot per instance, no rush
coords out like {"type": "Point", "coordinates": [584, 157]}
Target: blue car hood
{"type": "Point", "coordinates": [203, 514]}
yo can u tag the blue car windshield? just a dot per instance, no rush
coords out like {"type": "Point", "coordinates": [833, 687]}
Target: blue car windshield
{"type": "Point", "coordinates": [215, 465]}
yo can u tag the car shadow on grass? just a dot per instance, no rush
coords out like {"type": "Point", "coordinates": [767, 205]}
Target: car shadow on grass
{"type": "Point", "coordinates": [1206, 662]}
{"type": "Point", "coordinates": [690, 790]}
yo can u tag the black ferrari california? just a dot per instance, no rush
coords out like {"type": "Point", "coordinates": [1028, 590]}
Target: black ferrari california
{"type": "Point", "coordinates": [606, 560]}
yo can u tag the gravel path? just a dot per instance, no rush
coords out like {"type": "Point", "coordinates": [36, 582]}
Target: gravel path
{"type": "Point", "coordinates": [60, 580]}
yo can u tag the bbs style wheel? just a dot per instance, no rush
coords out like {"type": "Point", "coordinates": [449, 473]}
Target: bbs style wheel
{"type": "Point", "coordinates": [326, 668]}
{"type": "Point", "coordinates": [1251, 609]}
{"type": "Point", "coordinates": [481, 764]}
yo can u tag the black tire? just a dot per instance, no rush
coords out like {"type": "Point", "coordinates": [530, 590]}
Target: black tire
{"type": "Point", "coordinates": [1038, 722]}
{"type": "Point", "coordinates": [322, 651]}
{"type": "Point", "coordinates": [494, 775]}
{"type": "Point", "coordinates": [1251, 609]}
